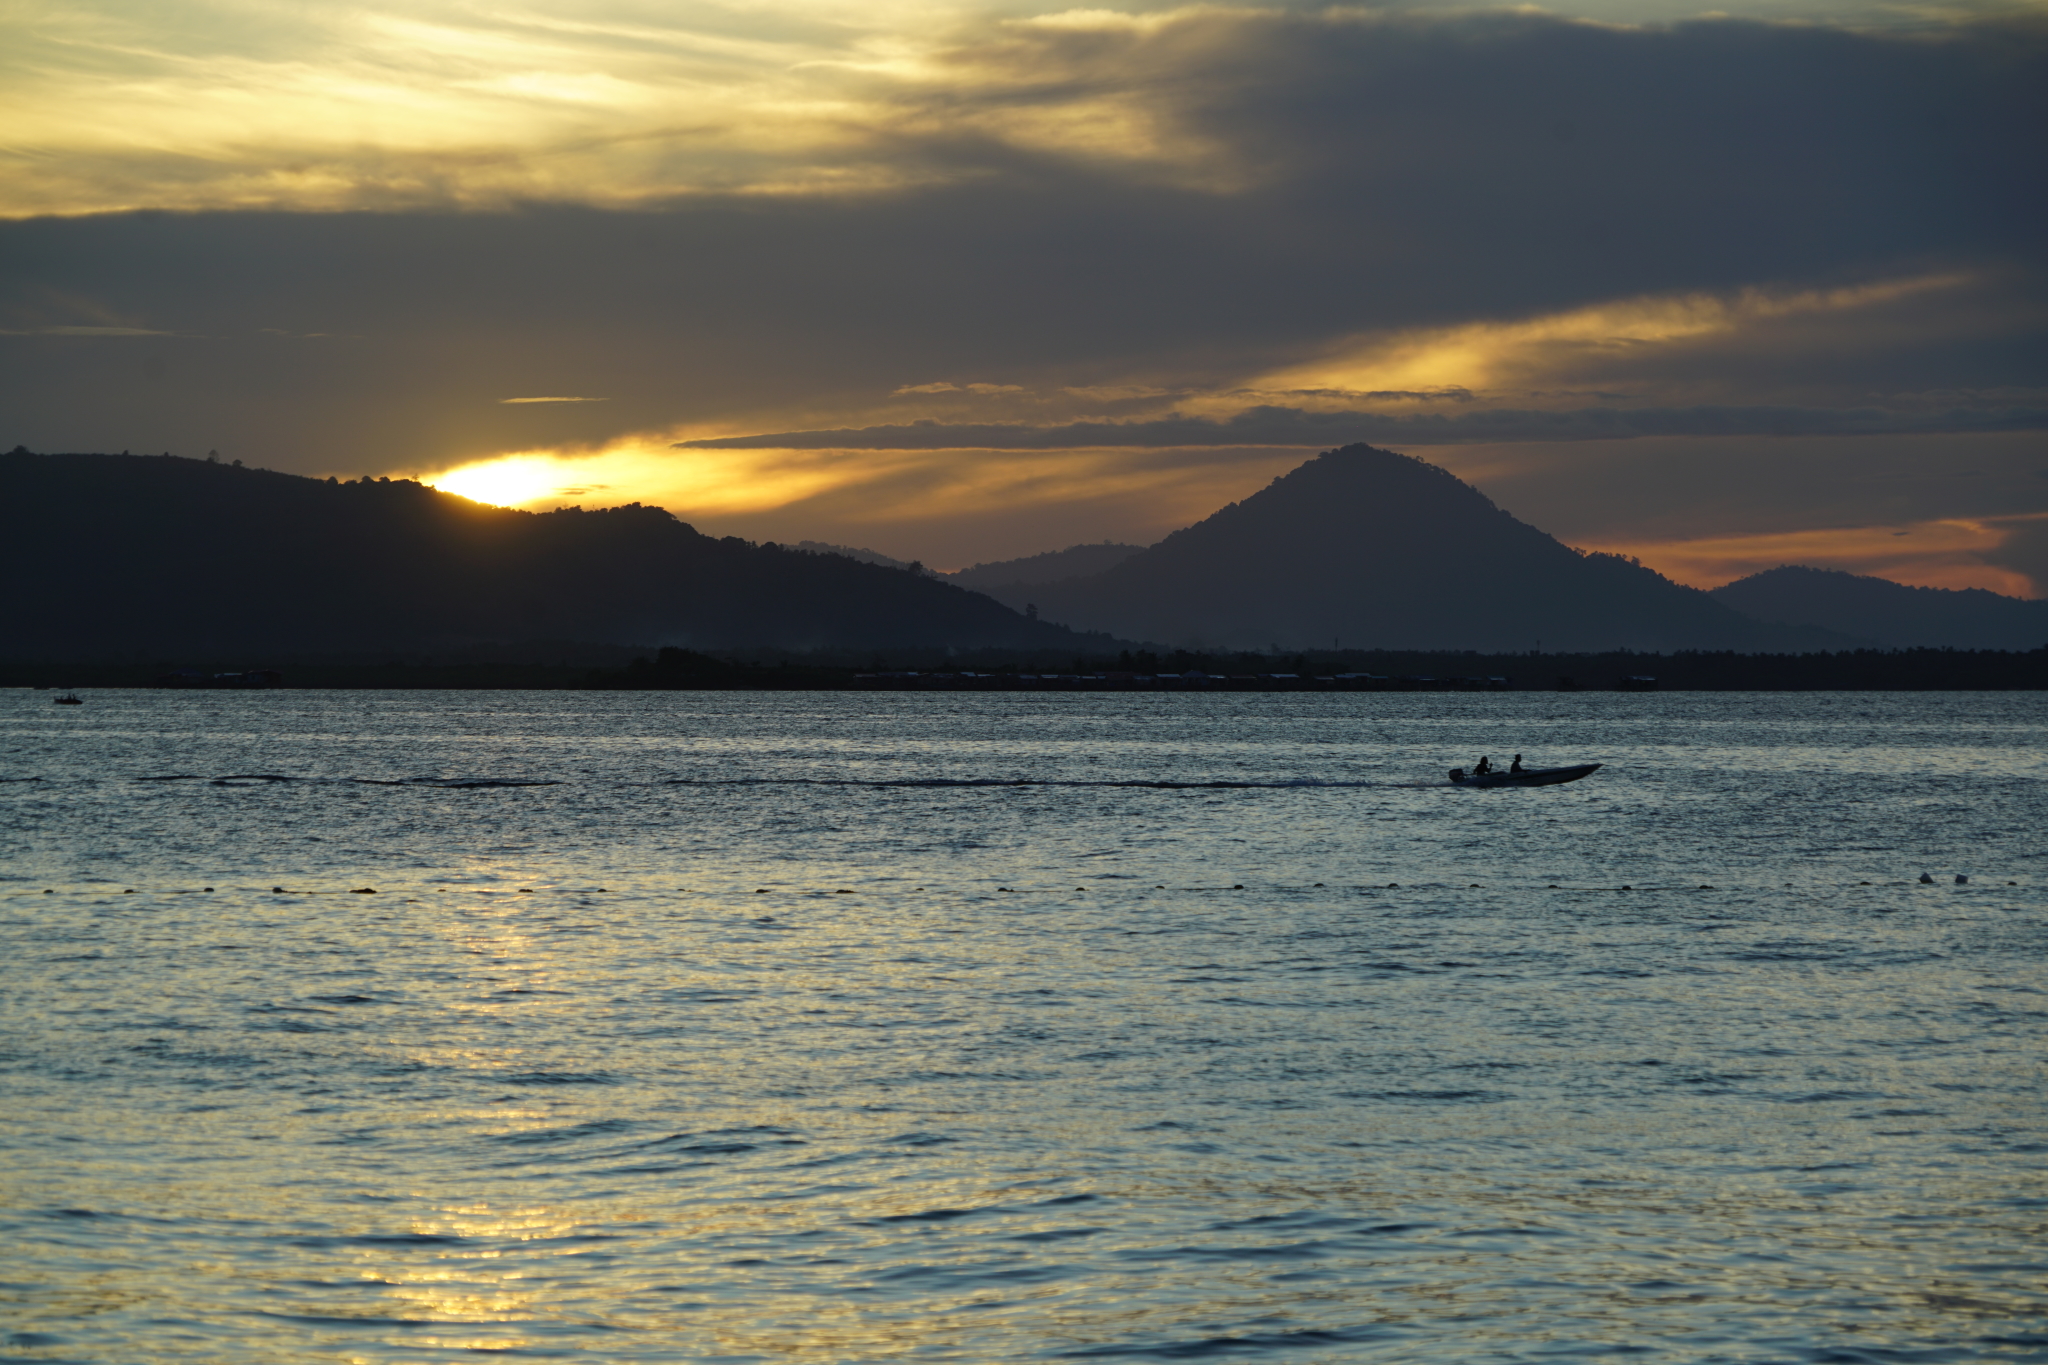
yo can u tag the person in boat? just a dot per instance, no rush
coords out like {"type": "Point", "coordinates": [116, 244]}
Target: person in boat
{"type": "Point", "coordinates": [1516, 766]}
{"type": "Point", "coordinates": [1482, 767]}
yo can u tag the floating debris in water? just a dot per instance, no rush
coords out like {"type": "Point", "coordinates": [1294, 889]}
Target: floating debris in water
{"type": "Point", "coordinates": [356, 891]}
{"type": "Point", "coordinates": [1961, 880]}
{"type": "Point", "coordinates": [1926, 879]}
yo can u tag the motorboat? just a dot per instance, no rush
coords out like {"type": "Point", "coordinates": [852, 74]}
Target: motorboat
{"type": "Point", "coordinates": [69, 699]}
{"type": "Point", "coordinates": [1528, 777]}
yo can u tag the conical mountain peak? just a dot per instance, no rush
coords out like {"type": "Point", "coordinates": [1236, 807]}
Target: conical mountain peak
{"type": "Point", "coordinates": [1371, 548]}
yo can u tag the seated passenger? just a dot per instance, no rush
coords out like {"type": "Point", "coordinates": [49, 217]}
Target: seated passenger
{"type": "Point", "coordinates": [1516, 766]}
{"type": "Point", "coordinates": [1483, 767]}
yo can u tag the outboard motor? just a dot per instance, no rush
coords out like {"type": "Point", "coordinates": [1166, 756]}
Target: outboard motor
{"type": "Point", "coordinates": [1457, 774]}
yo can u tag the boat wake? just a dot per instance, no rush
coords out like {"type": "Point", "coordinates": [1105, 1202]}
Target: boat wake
{"type": "Point", "coordinates": [1278, 784]}
{"type": "Point", "coordinates": [443, 783]}
{"type": "Point", "coordinates": [911, 783]}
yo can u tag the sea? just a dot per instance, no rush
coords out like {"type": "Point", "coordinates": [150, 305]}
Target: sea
{"type": "Point", "coordinates": [421, 1026]}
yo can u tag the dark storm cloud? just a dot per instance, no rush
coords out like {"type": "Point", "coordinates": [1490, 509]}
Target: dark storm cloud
{"type": "Point", "coordinates": [1621, 159]}
{"type": "Point", "coordinates": [1310, 176]}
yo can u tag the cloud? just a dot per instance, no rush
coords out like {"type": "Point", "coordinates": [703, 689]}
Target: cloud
{"type": "Point", "coordinates": [1940, 509]}
{"type": "Point", "coordinates": [2024, 552]}
{"type": "Point", "coordinates": [1934, 554]}
{"type": "Point", "coordinates": [1151, 256]}
{"type": "Point", "coordinates": [1695, 487]}
{"type": "Point", "coordinates": [1346, 201]}
{"type": "Point", "coordinates": [554, 400]}
{"type": "Point", "coordinates": [954, 507]}
{"type": "Point", "coordinates": [85, 332]}
{"type": "Point", "coordinates": [1294, 426]}
{"type": "Point", "coordinates": [1600, 342]}
{"type": "Point", "coordinates": [330, 106]}
{"type": "Point", "coordinates": [1382, 115]}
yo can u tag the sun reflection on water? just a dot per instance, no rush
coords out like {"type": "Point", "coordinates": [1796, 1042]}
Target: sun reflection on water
{"type": "Point", "coordinates": [1407, 1125]}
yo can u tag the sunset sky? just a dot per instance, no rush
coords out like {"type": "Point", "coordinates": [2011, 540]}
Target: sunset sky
{"type": "Point", "coordinates": [961, 282]}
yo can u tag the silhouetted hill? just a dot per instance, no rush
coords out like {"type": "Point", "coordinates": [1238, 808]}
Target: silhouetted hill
{"type": "Point", "coordinates": [819, 547]}
{"type": "Point", "coordinates": [1379, 550]}
{"type": "Point", "coordinates": [120, 554]}
{"type": "Point", "coordinates": [1889, 613]}
{"type": "Point", "coordinates": [1076, 561]}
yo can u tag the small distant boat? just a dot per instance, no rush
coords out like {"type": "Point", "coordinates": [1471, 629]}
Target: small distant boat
{"type": "Point", "coordinates": [1528, 777]}
{"type": "Point", "coordinates": [69, 699]}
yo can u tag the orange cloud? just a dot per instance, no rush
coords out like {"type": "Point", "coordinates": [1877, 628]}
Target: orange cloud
{"type": "Point", "coordinates": [1568, 347]}
{"type": "Point", "coordinates": [1949, 553]}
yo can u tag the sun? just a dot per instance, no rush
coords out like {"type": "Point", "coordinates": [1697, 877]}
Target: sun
{"type": "Point", "coordinates": [508, 481]}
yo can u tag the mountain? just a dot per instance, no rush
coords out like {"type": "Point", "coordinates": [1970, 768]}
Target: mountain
{"type": "Point", "coordinates": [1076, 561]}
{"type": "Point", "coordinates": [1890, 613]}
{"type": "Point", "coordinates": [1379, 550]}
{"type": "Point", "coordinates": [819, 547]}
{"type": "Point", "coordinates": [108, 555]}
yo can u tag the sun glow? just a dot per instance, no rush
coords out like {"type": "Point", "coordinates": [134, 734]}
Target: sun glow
{"type": "Point", "coordinates": [853, 496]}
{"type": "Point", "coordinates": [511, 481]}
{"type": "Point", "coordinates": [647, 470]}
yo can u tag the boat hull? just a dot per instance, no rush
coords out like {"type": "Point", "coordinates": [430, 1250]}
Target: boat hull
{"type": "Point", "coordinates": [1529, 777]}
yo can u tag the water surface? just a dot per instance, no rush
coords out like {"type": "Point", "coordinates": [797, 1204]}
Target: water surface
{"type": "Point", "coordinates": [763, 1027]}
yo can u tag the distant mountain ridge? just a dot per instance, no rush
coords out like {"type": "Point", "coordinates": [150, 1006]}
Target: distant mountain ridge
{"type": "Point", "coordinates": [819, 547]}
{"type": "Point", "coordinates": [1890, 613]}
{"type": "Point", "coordinates": [109, 555]}
{"type": "Point", "coordinates": [113, 556]}
{"type": "Point", "coordinates": [1076, 561]}
{"type": "Point", "coordinates": [1371, 549]}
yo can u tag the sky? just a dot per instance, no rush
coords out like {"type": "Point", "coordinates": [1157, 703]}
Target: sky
{"type": "Point", "coordinates": [961, 282]}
